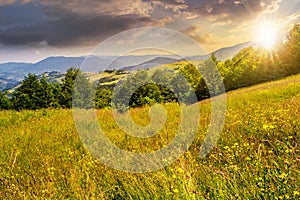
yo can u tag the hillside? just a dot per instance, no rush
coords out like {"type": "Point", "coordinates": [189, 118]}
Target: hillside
{"type": "Point", "coordinates": [13, 72]}
{"type": "Point", "coordinates": [43, 157]}
{"type": "Point", "coordinates": [151, 63]}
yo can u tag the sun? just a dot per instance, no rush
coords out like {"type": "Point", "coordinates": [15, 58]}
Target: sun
{"type": "Point", "coordinates": [267, 35]}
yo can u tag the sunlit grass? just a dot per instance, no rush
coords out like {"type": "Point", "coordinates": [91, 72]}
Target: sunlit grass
{"type": "Point", "coordinates": [257, 156]}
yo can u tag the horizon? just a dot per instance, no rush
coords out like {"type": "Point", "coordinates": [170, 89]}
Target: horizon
{"type": "Point", "coordinates": [133, 55]}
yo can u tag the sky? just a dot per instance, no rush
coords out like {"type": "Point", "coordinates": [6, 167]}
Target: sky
{"type": "Point", "coordinates": [31, 30]}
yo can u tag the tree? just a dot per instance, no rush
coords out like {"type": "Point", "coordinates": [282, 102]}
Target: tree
{"type": "Point", "coordinates": [210, 82]}
{"type": "Point", "coordinates": [67, 87]}
{"type": "Point", "coordinates": [35, 94]}
{"type": "Point", "coordinates": [103, 98]}
{"type": "Point", "coordinates": [47, 93]}
{"type": "Point", "coordinates": [5, 102]}
{"type": "Point", "coordinates": [83, 92]}
{"type": "Point", "coordinates": [181, 88]}
{"type": "Point", "coordinates": [147, 94]}
{"type": "Point", "coordinates": [292, 47]}
{"type": "Point", "coordinates": [162, 79]}
{"type": "Point", "coordinates": [191, 73]}
{"type": "Point", "coordinates": [26, 96]}
{"type": "Point", "coordinates": [193, 76]}
{"type": "Point", "coordinates": [126, 88]}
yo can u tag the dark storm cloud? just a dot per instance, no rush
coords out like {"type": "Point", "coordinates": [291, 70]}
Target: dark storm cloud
{"type": "Point", "coordinates": [72, 28]}
{"type": "Point", "coordinates": [107, 7]}
{"type": "Point", "coordinates": [34, 23]}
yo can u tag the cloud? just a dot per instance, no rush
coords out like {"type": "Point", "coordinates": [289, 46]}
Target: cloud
{"type": "Point", "coordinates": [76, 22]}
{"type": "Point", "coordinates": [101, 7]}
{"type": "Point", "coordinates": [195, 33]}
{"type": "Point", "coordinates": [36, 24]}
{"type": "Point", "coordinates": [177, 6]}
{"type": "Point", "coordinates": [270, 6]}
{"type": "Point", "coordinates": [104, 7]}
{"type": "Point", "coordinates": [233, 10]}
{"type": "Point", "coordinates": [73, 22]}
{"type": "Point", "coordinates": [6, 2]}
{"type": "Point", "coordinates": [162, 22]}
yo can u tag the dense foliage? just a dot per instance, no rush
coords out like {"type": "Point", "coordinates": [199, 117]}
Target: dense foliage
{"type": "Point", "coordinates": [248, 67]}
{"type": "Point", "coordinates": [35, 94]}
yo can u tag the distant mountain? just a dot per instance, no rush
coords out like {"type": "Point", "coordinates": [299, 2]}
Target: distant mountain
{"type": "Point", "coordinates": [151, 63]}
{"type": "Point", "coordinates": [229, 52]}
{"type": "Point", "coordinates": [12, 73]}
{"type": "Point", "coordinates": [221, 54]}
{"type": "Point", "coordinates": [61, 64]}
{"type": "Point", "coordinates": [13, 66]}
{"type": "Point", "coordinates": [134, 60]}
{"type": "Point", "coordinates": [225, 53]}
{"type": "Point", "coordinates": [96, 63]}
{"type": "Point", "coordinates": [7, 83]}
{"type": "Point", "coordinates": [52, 77]}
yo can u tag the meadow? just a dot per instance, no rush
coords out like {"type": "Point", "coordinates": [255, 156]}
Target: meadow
{"type": "Point", "coordinates": [257, 155]}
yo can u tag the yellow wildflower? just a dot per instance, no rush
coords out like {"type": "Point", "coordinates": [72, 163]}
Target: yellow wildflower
{"type": "Point", "coordinates": [283, 175]}
{"type": "Point", "coordinates": [296, 193]}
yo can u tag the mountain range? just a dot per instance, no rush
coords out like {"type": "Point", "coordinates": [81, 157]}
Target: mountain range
{"type": "Point", "coordinates": [13, 72]}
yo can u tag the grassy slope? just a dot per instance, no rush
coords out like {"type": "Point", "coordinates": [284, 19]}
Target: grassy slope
{"type": "Point", "coordinates": [257, 156]}
{"type": "Point", "coordinates": [173, 66]}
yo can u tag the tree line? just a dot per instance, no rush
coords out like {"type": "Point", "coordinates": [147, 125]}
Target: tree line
{"type": "Point", "coordinates": [248, 67]}
{"type": "Point", "coordinates": [34, 93]}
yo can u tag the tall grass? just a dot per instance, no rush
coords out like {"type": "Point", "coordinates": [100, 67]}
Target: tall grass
{"type": "Point", "coordinates": [257, 156]}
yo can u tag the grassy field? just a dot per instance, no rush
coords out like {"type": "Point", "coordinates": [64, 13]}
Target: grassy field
{"type": "Point", "coordinates": [257, 156]}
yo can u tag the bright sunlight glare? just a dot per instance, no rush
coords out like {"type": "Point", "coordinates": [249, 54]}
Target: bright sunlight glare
{"type": "Point", "coordinates": [267, 35]}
